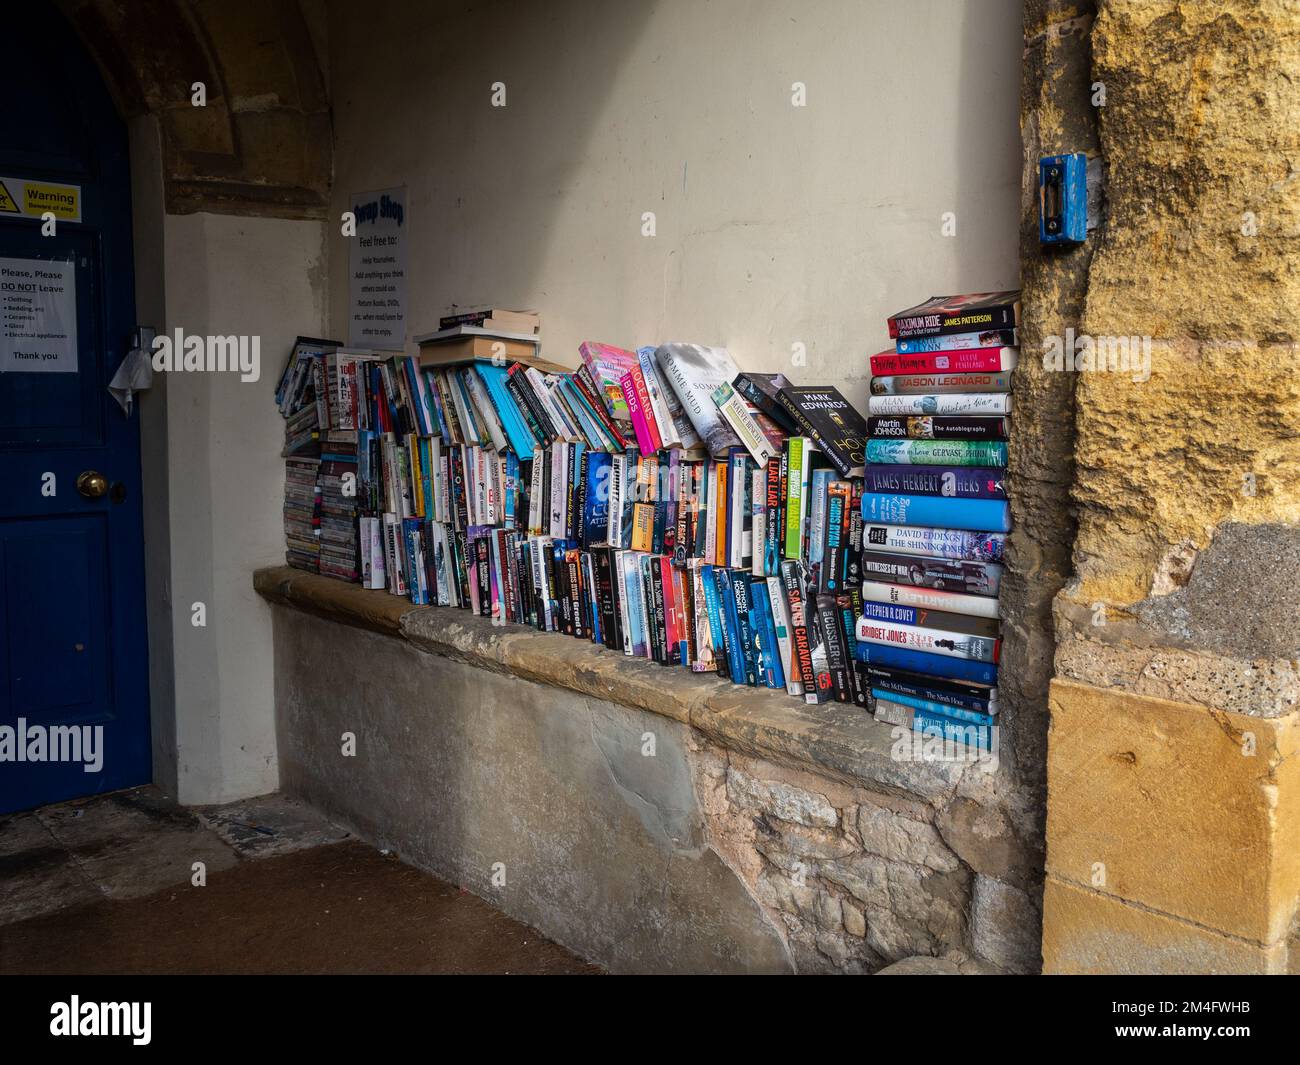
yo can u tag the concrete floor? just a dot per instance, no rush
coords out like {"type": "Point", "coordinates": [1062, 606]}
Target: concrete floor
{"type": "Point", "coordinates": [106, 885]}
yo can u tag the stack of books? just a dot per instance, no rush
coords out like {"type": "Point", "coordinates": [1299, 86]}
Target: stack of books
{"type": "Point", "coordinates": [656, 501]}
{"type": "Point", "coordinates": [296, 397]}
{"type": "Point", "coordinates": [935, 514]}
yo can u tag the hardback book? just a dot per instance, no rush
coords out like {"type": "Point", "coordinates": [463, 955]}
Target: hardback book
{"type": "Point", "coordinates": [975, 311]}
{"type": "Point", "coordinates": [831, 422]}
{"type": "Point", "coordinates": [937, 427]}
{"type": "Point", "coordinates": [938, 452]}
{"type": "Point", "coordinates": [980, 697]}
{"type": "Point", "coordinates": [935, 542]}
{"type": "Point", "coordinates": [940, 574]}
{"type": "Point", "coordinates": [992, 515]}
{"type": "Point", "coordinates": [940, 726]}
{"type": "Point", "coordinates": [988, 338]}
{"type": "Point", "coordinates": [931, 641]}
{"type": "Point", "coordinates": [936, 384]}
{"type": "Point", "coordinates": [833, 572]}
{"type": "Point", "coordinates": [898, 614]}
{"type": "Point", "coordinates": [693, 371]}
{"type": "Point", "coordinates": [971, 360]}
{"type": "Point", "coordinates": [932, 665]}
{"type": "Point", "coordinates": [760, 390]}
{"type": "Point", "coordinates": [468, 344]}
{"type": "Point", "coordinates": [941, 403]}
{"type": "Point", "coordinates": [959, 482]}
{"type": "Point", "coordinates": [763, 441]}
{"type": "Point", "coordinates": [494, 318]}
{"type": "Point", "coordinates": [983, 606]}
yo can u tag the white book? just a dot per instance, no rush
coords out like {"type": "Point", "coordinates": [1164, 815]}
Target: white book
{"type": "Point", "coordinates": [487, 414]}
{"type": "Point", "coordinates": [559, 489]}
{"type": "Point", "coordinates": [535, 503]}
{"type": "Point", "coordinates": [936, 543]}
{"type": "Point", "coordinates": [979, 606]}
{"type": "Point", "coordinates": [693, 371]}
{"type": "Point", "coordinates": [658, 405]}
{"type": "Point", "coordinates": [933, 641]}
{"type": "Point", "coordinates": [943, 403]}
{"type": "Point", "coordinates": [710, 513]}
{"type": "Point", "coordinates": [617, 472]}
{"type": "Point", "coordinates": [759, 507]}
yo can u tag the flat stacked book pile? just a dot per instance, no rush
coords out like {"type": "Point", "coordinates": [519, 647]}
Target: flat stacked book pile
{"type": "Point", "coordinates": [656, 501]}
{"type": "Point", "coordinates": [935, 514]}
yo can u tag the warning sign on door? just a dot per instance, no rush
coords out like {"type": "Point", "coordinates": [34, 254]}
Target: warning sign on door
{"type": "Point", "coordinates": [34, 199]}
{"type": "Point", "coordinates": [38, 316]}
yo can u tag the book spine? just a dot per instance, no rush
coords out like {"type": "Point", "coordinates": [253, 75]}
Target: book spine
{"type": "Point", "coordinates": [945, 384]}
{"type": "Point", "coordinates": [740, 590]}
{"type": "Point", "coordinates": [794, 502]}
{"type": "Point", "coordinates": [980, 606]}
{"type": "Point", "coordinates": [935, 542]}
{"type": "Point", "coordinates": [931, 641]}
{"type": "Point", "coordinates": [938, 452]}
{"type": "Point", "coordinates": [828, 618]}
{"type": "Point", "coordinates": [917, 700]}
{"type": "Point", "coordinates": [989, 338]}
{"type": "Point", "coordinates": [792, 579]}
{"type": "Point", "coordinates": [993, 515]}
{"type": "Point", "coordinates": [972, 360]}
{"type": "Point", "coordinates": [932, 665]}
{"type": "Point", "coordinates": [941, 403]}
{"type": "Point", "coordinates": [780, 607]}
{"type": "Point", "coordinates": [924, 325]}
{"type": "Point", "coordinates": [773, 675]}
{"type": "Point", "coordinates": [924, 617]}
{"type": "Point", "coordinates": [733, 408]}
{"type": "Point", "coordinates": [638, 406]}
{"type": "Point", "coordinates": [731, 625]}
{"type": "Point", "coordinates": [717, 622]}
{"type": "Point", "coordinates": [835, 533]}
{"type": "Point", "coordinates": [940, 427]}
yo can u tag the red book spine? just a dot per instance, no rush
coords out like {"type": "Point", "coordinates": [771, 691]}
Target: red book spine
{"type": "Point", "coordinates": [638, 405]}
{"type": "Point", "coordinates": [971, 360]}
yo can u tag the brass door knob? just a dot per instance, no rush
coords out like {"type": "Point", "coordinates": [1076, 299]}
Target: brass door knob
{"type": "Point", "coordinates": [92, 484]}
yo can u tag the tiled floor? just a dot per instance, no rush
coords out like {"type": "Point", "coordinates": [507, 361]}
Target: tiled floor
{"type": "Point", "coordinates": [109, 884]}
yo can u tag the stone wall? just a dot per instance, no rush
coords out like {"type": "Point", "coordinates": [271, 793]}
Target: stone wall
{"type": "Point", "coordinates": [1171, 844]}
{"type": "Point", "coordinates": [648, 820]}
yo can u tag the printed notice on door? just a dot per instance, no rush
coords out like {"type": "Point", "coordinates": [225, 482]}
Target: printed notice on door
{"type": "Point", "coordinates": [38, 316]}
{"type": "Point", "coordinates": [377, 271]}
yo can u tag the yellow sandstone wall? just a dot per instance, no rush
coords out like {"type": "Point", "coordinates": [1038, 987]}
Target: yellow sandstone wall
{"type": "Point", "coordinates": [1172, 830]}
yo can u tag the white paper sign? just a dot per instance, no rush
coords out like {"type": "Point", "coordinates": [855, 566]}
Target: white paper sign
{"type": "Point", "coordinates": [377, 271]}
{"type": "Point", "coordinates": [38, 316]}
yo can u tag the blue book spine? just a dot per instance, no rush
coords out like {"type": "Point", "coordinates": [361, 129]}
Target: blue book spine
{"type": "Point", "coordinates": [713, 607]}
{"type": "Point", "coordinates": [957, 713]}
{"type": "Point", "coordinates": [418, 583]}
{"type": "Point", "coordinates": [426, 476]}
{"type": "Point", "coordinates": [979, 736]}
{"type": "Point", "coordinates": [957, 482]}
{"type": "Point", "coordinates": [913, 661]}
{"type": "Point", "coordinates": [773, 674]}
{"type": "Point", "coordinates": [521, 438]}
{"type": "Point", "coordinates": [735, 648]}
{"type": "Point", "coordinates": [899, 615]}
{"type": "Point", "coordinates": [976, 515]}
{"type": "Point", "coordinates": [817, 514]}
{"type": "Point", "coordinates": [635, 613]}
{"type": "Point", "coordinates": [739, 580]}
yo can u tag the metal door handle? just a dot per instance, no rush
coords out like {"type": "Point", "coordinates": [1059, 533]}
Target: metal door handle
{"type": "Point", "coordinates": [92, 484]}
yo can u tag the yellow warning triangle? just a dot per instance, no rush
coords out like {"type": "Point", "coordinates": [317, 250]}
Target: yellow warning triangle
{"type": "Point", "coordinates": [6, 201]}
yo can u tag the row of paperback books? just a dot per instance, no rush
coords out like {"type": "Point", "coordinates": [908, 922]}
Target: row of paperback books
{"type": "Point", "coordinates": [935, 515]}
{"type": "Point", "coordinates": [658, 501]}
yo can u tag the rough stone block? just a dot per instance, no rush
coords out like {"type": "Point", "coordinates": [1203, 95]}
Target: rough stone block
{"type": "Point", "coordinates": [1189, 811]}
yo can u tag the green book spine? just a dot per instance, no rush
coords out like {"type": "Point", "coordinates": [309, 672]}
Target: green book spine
{"type": "Point", "coordinates": [794, 496]}
{"type": "Point", "coordinates": [938, 452]}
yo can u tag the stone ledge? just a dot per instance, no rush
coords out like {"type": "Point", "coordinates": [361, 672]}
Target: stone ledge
{"type": "Point", "coordinates": [834, 739]}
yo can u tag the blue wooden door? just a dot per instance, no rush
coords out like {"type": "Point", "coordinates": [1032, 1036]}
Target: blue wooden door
{"type": "Point", "coordinates": [74, 710]}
